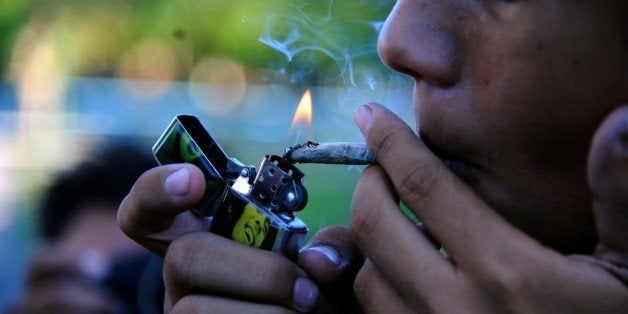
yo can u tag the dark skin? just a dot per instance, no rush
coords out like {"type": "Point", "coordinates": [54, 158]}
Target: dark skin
{"type": "Point", "coordinates": [166, 193]}
{"type": "Point", "coordinates": [507, 175]}
{"type": "Point", "coordinates": [505, 270]}
{"type": "Point", "coordinates": [516, 112]}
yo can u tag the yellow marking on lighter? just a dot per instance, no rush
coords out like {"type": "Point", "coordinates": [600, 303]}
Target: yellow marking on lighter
{"type": "Point", "coordinates": [252, 227]}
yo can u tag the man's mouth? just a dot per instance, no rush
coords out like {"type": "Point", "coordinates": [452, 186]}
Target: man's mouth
{"type": "Point", "coordinates": [462, 167]}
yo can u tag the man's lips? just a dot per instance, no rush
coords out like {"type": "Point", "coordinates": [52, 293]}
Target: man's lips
{"type": "Point", "coordinates": [462, 167]}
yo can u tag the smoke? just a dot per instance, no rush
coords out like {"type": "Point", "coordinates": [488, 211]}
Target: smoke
{"type": "Point", "coordinates": [329, 44]}
{"type": "Point", "coordinates": [331, 47]}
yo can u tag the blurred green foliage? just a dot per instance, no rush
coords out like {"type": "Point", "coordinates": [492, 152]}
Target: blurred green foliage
{"type": "Point", "coordinates": [322, 39]}
{"type": "Point", "coordinates": [291, 42]}
{"type": "Point", "coordinates": [13, 14]}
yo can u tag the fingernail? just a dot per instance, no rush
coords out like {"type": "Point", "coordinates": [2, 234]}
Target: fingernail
{"type": "Point", "coordinates": [363, 117]}
{"type": "Point", "coordinates": [329, 253]}
{"type": "Point", "coordinates": [305, 294]}
{"type": "Point", "coordinates": [178, 183]}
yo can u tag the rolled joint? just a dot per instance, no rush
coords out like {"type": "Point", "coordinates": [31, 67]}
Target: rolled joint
{"type": "Point", "coordinates": [342, 153]}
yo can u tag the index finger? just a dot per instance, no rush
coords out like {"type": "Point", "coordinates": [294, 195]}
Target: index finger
{"type": "Point", "coordinates": [451, 211]}
{"type": "Point", "coordinates": [205, 263]}
{"type": "Point", "coordinates": [156, 209]}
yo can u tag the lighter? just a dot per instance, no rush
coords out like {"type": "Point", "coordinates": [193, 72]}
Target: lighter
{"type": "Point", "coordinates": [256, 209]}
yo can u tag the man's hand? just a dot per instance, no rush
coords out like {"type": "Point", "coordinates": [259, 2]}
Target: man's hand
{"type": "Point", "coordinates": [204, 272]}
{"type": "Point", "coordinates": [492, 266]}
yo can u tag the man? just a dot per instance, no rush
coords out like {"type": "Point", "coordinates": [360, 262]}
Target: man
{"type": "Point", "coordinates": [508, 97]}
{"type": "Point", "coordinates": [85, 264]}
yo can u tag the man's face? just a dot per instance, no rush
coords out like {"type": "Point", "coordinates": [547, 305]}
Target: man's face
{"type": "Point", "coordinates": [509, 93]}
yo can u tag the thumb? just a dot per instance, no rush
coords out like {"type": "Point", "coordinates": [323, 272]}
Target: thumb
{"type": "Point", "coordinates": [608, 180]}
{"type": "Point", "coordinates": [330, 255]}
{"type": "Point", "coordinates": [333, 260]}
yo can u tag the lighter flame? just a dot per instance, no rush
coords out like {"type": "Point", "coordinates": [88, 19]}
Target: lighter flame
{"type": "Point", "coordinates": [303, 115]}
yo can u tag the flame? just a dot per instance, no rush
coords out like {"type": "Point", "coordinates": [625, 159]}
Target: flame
{"type": "Point", "coordinates": [303, 114]}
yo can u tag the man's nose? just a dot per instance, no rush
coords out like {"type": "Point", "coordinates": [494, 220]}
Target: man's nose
{"type": "Point", "coordinates": [415, 41]}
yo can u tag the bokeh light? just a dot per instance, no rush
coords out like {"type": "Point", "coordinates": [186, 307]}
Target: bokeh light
{"type": "Point", "coordinates": [38, 70]}
{"type": "Point", "coordinates": [151, 61]}
{"type": "Point", "coordinates": [218, 85]}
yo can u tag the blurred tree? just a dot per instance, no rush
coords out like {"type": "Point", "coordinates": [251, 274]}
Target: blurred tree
{"type": "Point", "coordinates": [13, 13]}
{"type": "Point", "coordinates": [305, 41]}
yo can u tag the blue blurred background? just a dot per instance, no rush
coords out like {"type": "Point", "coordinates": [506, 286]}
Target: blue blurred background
{"type": "Point", "coordinates": [75, 73]}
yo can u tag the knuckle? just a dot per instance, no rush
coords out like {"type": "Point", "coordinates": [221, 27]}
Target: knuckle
{"type": "Point", "coordinates": [364, 216]}
{"type": "Point", "coordinates": [414, 178]}
{"type": "Point", "coordinates": [499, 276]}
{"type": "Point", "coordinates": [418, 181]}
{"type": "Point", "coordinates": [178, 257]}
{"type": "Point", "coordinates": [279, 276]}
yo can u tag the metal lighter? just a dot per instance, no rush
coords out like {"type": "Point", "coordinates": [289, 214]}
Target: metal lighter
{"type": "Point", "coordinates": [253, 208]}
